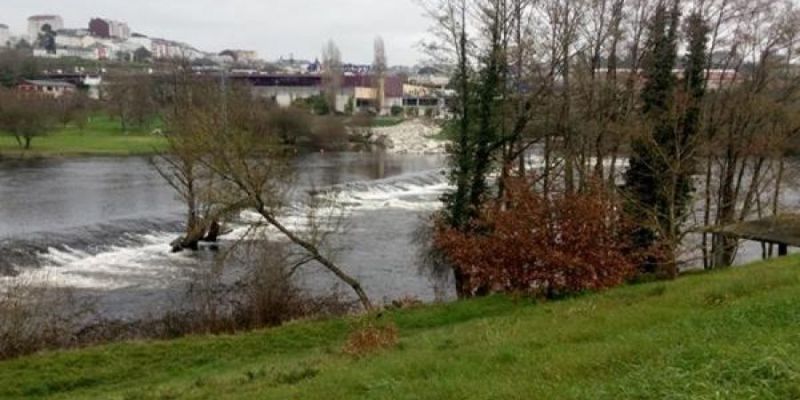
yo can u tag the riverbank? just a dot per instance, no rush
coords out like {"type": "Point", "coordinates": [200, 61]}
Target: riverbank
{"type": "Point", "coordinates": [102, 136]}
{"type": "Point", "coordinates": [730, 334]}
{"type": "Point", "coordinates": [413, 136]}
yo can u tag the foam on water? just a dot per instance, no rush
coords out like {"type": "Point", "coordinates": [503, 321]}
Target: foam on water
{"type": "Point", "coordinates": [419, 192]}
{"type": "Point", "coordinates": [144, 260]}
{"type": "Point", "coordinates": [149, 264]}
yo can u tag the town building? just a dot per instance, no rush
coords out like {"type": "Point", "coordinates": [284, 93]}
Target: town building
{"type": "Point", "coordinates": [107, 29]}
{"type": "Point", "coordinates": [73, 38]}
{"type": "Point", "coordinates": [242, 56]}
{"type": "Point", "coordinates": [53, 89]}
{"type": "Point", "coordinates": [168, 49]}
{"type": "Point", "coordinates": [95, 52]}
{"type": "Point", "coordinates": [357, 91]}
{"type": "Point", "coordinates": [5, 36]}
{"type": "Point", "coordinates": [37, 22]}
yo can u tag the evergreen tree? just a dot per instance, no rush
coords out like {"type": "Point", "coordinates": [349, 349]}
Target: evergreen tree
{"type": "Point", "coordinates": [649, 175]}
{"type": "Point", "coordinates": [461, 150]}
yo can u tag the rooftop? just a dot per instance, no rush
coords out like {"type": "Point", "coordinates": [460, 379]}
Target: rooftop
{"type": "Point", "coordinates": [42, 17]}
{"type": "Point", "coordinates": [35, 82]}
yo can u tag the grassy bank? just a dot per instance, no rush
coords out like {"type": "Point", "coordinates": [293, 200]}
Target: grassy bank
{"type": "Point", "coordinates": [724, 335]}
{"type": "Point", "coordinates": [102, 136]}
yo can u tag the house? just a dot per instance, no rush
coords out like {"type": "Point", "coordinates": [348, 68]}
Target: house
{"type": "Point", "coordinates": [107, 29]}
{"type": "Point", "coordinates": [37, 22]}
{"type": "Point", "coordinates": [72, 38]}
{"type": "Point", "coordinates": [55, 89]}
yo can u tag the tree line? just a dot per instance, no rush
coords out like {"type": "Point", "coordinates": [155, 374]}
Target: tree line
{"type": "Point", "coordinates": [659, 120]}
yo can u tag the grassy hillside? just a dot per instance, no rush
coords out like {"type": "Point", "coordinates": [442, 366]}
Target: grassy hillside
{"type": "Point", "coordinates": [726, 335]}
{"type": "Point", "coordinates": [102, 136]}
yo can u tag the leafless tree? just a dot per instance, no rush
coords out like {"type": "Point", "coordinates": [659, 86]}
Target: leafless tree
{"type": "Point", "coordinates": [332, 73]}
{"type": "Point", "coordinates": [379, 69]}
{"type": "Point", "coordinates": [226, 160]}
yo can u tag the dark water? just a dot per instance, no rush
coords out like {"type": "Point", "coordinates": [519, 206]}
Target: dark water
{"type": "Point", "coordinates": [102, 226]}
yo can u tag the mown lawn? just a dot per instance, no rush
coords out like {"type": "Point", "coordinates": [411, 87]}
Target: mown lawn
{"type": "Point", "coordinates": [726, 335]}
{"type": "Point", "coordinates": [101, 136]}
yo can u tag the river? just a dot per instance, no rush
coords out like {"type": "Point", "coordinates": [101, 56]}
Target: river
{"type": "Point", "coordinates": [102, 226]}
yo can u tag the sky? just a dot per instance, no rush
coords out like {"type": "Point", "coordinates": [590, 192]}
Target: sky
{"type": "Point", "coordinates": [274, 28]}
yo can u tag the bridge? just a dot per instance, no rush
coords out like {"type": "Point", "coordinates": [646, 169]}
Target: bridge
{"type": "Point", "coordinates": [781, 230]}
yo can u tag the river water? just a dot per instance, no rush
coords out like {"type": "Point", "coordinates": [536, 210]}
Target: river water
{"type": "Point", "coordinates": [102, 226]}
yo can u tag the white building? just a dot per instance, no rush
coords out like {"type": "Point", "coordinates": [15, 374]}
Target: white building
{"type": "Point", "coordinates": [5, 36]}
{"type": "Point", "coordinates": [73, 38]}
{"type": "Point", "coordinates": [167, 49]}
{"type": "Point", "coordinates": [119, 30]}
{"type": "Point", "coordinates": [37, 22]}
{"type": "Point", "coordinates": [94, 52]}
{"type": "Point", "coordinates": [142, 41]}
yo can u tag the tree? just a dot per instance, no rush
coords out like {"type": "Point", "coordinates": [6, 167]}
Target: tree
{"type": "Point", "coordinates": [332, 74]}
{"type": "Point", "coordinates": [658, 181]}
{"type": "Point", "coordinates": [221, 136]}
{"type": "Point", "coordinates": [74, 108]}
{"type": "Point", "coordinates": [23, 45]}
{"type": "Point", "coordinates": [16, 66]}
{"type": "Point", "coordinates": [543, 246]}
{"type": "Point", "coordinates": [747, 124]}
{"type": "Point", "coordinates": [379, 69]}
{"type": "Point", "coordinates": [47, 39]}
{"type": "Point", "coordinates": [131, 98]}
{"type": "Point", "coordinates": [142, 55]}
{"type": "Point", "coordinates": [26, 116]}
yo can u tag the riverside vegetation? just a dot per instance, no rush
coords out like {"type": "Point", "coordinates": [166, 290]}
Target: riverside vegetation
{"type": "Point", "coordinates": [729, 334]}
{"type": "Point", "coordinates": [517, 226]}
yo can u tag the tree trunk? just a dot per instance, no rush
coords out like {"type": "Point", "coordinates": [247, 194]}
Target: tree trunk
{"type": "Point", "coordinates": [313, 251]}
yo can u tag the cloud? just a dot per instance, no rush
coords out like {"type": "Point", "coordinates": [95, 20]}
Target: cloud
{"type": "Point", "coordinates": [274, 28]}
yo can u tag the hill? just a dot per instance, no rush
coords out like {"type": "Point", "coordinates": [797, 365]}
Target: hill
{"type": "Point", "coordinates": [725, 335]}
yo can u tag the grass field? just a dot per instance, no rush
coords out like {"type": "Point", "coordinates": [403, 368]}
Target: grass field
{"type": "Point", "coordinates": [726, 335]}
{"type": "Point", "coordinates": [385, 122]}
{"type": "Point", "coordinates": [103, 136]}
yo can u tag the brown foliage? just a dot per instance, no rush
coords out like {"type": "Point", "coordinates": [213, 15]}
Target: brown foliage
{"type": "Point", "coordinates": [371, 338]}
{"type": "Point", "coordinates": [541, 246]}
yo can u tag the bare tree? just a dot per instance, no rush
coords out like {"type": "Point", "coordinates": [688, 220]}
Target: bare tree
{"type": "Point", "coordinates": [225, 160]}
{"type": "Point", "coordinates": [332, 73]}
{"type": "Point", "coordinates": [379, 69]}
{"type": "Point", "coordinates": [26, 116]}
{"type": "Point", "coordinates": [131, 99]}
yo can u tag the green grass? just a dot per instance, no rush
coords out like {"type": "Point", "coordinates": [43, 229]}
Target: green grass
{"type": "Point", "coordinates": [103, 136]}
{"type": "Point", "coordinates": [385, 122]}
{"type": "Point", "coordinates": [726, 335]}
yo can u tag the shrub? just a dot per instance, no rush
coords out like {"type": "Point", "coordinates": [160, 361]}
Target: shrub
{"type": "Point", "coordinates": [371, 338]}
{"type": "Point", "coordinates": [329, 133]}
{"type": "Point", "coordinates": [528, 243]}
{"type": "Point", "coordinates": [37, 317]}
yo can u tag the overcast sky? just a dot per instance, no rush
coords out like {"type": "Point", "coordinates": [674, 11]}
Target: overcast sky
{"type": "Point", "coordinates": [272, 27]}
